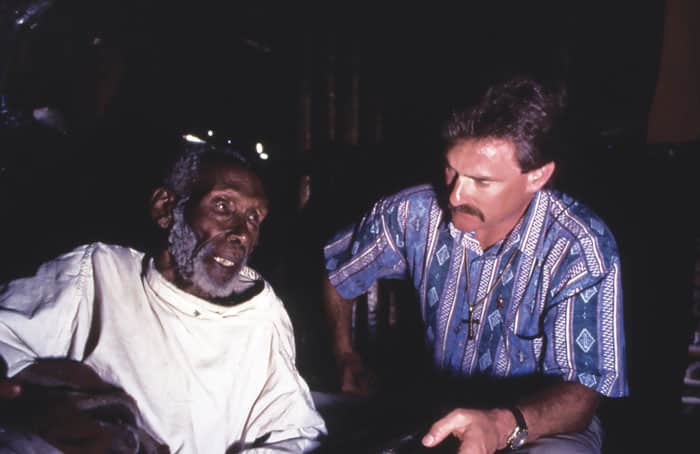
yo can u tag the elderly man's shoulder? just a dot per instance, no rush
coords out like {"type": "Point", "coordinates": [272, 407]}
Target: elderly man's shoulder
{"type": "Point", "coordinates": [88, 254]}
{"type": "Point", "coordinates": [69, 275]}
{"type": "Point", "coordinates": [82, 259]}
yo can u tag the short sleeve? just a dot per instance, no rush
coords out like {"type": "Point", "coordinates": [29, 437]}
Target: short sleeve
{"type": "Point", "coordinates": [40, 315]}
{"type": "Point", "coordinates": [588, 342]}
{"type": "Point", "coordinates": [370, 250]}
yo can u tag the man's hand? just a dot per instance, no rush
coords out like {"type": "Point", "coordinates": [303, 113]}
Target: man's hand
{"type": "Point", "coordinates": [354, 377]}
{"type": "Point", "coordinates": [479, 431]}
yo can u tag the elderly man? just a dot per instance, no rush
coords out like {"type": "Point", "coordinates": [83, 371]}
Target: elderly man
{"type": "Point", "coordinates": [189, 350]}
{"type": "Point", "coordinates": [518, 284]}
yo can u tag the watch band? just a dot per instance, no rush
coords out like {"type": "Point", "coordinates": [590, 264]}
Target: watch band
{"type": "Point", "coordinates": [519, 418]}
{"type": "Point", "coordinates": [518, 437]}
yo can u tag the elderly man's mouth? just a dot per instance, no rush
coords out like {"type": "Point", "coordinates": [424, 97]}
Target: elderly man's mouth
{"type": "Point", "coordinates": [224, 261]}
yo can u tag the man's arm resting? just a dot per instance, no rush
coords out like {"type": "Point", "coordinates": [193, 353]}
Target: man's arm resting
{"type": "Point", "coordinates": [561, 408]}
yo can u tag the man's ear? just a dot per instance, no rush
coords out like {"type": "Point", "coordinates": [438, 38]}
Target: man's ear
{"type": "Point", "coordinates": [162, 204]}
{"type": "Point", "coordinates": [538, 178]}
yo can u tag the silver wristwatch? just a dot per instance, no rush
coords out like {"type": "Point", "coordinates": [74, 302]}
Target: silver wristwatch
{"type": "Point", "coordinates": [518, 437]}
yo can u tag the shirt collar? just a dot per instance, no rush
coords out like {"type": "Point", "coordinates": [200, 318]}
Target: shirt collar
{"type": "Point", "coordinates": [193, 306]}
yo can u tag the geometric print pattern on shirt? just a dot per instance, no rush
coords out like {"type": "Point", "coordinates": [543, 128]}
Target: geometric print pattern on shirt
{"type": "Point", "coordinates": [551, 290]}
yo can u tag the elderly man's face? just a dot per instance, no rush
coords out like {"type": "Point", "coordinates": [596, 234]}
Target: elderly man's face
{"type": "Point", "coordinates": [216, 230]}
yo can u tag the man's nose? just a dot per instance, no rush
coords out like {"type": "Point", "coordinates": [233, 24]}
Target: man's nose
{"type": "Point", "coordinates": [458, 190]}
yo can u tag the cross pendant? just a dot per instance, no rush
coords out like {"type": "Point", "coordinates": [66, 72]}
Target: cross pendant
{"type": "Point", "coordinates": [471, 321]}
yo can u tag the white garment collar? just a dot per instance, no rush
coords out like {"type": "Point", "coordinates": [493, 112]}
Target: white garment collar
{"type": "Point", "coordinates": [188, 304]}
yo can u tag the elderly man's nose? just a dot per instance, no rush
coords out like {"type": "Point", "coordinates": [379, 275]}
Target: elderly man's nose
{"type": "Point", "coordinates": [238, 229]}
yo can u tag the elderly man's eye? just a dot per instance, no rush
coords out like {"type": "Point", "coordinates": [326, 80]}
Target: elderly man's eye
{"type": "Point", "coordinates": [254, 218]}
{"type": "Point", "coordinates": [220, 206]}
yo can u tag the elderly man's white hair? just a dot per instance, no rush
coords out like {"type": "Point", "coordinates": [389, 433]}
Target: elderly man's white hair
{"type": "Point", "coordinates": [186, 168]}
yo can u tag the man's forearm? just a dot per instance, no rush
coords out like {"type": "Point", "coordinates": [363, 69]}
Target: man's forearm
{"type": "Point", "coordinates": [339, 317]}
{"type": "Point", "coordinates": [563, 407]}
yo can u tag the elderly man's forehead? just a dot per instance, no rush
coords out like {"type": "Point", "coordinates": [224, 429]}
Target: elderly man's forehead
{"type": "Point", "coordinates": [232, 174]}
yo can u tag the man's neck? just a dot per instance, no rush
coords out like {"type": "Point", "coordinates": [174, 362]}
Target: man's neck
{"type": "Point", "coordinates": [489, 237]}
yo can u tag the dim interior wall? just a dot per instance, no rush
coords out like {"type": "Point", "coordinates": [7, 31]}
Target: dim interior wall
{"type": "Point", "coordinates": [675, 110]}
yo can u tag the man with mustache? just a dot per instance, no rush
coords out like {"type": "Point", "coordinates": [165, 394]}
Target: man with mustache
{"type": "Point", "coordinates": [519, 285]}
{"type": "Point", "coordinates": [108, 349]}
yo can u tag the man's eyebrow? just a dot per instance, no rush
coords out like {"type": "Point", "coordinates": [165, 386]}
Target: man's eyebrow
{"type": "Point", "coordinates": [473, 177]}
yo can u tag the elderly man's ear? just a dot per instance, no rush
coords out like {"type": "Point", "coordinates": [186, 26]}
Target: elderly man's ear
{"type": "Point", "coordinates": [162, 205]}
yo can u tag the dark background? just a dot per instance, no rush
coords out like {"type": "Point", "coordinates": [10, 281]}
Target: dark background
{"type": "Point", "coordinates": [130, 77]}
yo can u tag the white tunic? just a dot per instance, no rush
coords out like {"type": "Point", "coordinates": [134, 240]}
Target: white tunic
{"type": "Point", "coordinates": [205, 377]}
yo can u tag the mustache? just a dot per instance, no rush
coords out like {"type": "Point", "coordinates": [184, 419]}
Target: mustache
{"type": "Point", "coordinates": [201, 245]}
{"type": "Point", "coordinates": [467, 209]}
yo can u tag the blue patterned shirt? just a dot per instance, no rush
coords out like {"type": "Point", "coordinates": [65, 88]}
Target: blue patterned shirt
{"type": "Point", "coordinates": [548, 296]}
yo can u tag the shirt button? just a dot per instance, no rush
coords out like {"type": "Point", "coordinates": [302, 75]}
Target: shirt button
{"type": "Point", "coordinates": [196, 313]}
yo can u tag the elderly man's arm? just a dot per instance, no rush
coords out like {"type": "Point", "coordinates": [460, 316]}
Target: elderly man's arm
{"type": "Point", "coordinates": [69, 406]}
{"type": "Point", "coordinates": [39, 319]}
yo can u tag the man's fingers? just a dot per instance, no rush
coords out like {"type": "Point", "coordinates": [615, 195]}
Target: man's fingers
{"type": "Point", "coordinates": [453, 422]}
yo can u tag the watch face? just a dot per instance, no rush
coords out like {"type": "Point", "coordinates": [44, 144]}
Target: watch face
{"type": "Point", "coordinates": [518, 438]}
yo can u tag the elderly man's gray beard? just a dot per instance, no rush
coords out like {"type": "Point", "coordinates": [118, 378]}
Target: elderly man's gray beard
{"type": "Point", "coordinates": [189, 262]}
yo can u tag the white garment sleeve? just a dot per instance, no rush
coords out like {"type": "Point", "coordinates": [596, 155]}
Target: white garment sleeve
{"type": "Point", "coordinates": [284, 415]}
{"type": "Point", "coordinates": [47, 315]}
